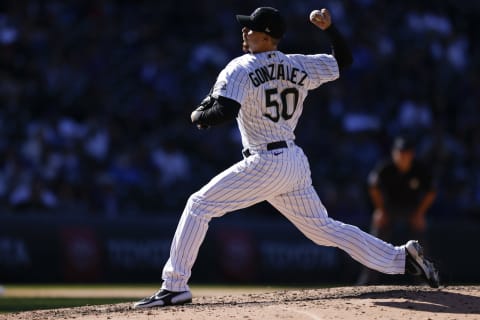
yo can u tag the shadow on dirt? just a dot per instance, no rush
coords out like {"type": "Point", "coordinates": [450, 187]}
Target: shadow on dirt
{"type": "Point", "coordinates": [428, 301]}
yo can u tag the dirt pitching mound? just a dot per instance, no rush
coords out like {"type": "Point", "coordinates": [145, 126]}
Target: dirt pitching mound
{"type": "Point", "coordinates": [379, 302]}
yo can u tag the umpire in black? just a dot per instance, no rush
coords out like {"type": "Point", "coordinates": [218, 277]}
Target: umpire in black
{"type": "Point", "coordinates": [402, 191]}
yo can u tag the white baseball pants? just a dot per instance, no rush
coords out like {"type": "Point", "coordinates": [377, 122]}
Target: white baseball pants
{"type": "Point", "coordinates": [283, 178]}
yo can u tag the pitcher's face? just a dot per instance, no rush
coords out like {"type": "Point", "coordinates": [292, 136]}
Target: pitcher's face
{"type": "Point", "coordinates": [255, 41]}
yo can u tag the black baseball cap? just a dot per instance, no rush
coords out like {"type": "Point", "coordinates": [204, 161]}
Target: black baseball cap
{"type": "Point", "coordinates": [264, 19]}
{"type": "Point", "coordinates": [403, 144]}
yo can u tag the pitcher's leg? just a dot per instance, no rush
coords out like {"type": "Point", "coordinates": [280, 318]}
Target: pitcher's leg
{"type": "Point", "coordinates": [304, 209]}
{"type": "Point", "coordinates": [189, 236]}
{"type": "Point", "coordinates": [368, 276]}
{"type": "Point", "coordinates": [242, 185]}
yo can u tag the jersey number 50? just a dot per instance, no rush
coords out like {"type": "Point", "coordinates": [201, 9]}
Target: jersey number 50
{"type": "Point", "coordinates": [281, 104]}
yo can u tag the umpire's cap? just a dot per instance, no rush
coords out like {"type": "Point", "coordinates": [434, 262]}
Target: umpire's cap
{"type": "Point", "coordinates": [264, 19]}
{"type": "Point", "coordinates": [402, 143]}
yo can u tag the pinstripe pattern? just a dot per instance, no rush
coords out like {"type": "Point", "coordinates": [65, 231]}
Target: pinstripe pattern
{"type": "Point", "coordinates": [281, 176]}
{"type": "Point", "coordinates": [234, 82]}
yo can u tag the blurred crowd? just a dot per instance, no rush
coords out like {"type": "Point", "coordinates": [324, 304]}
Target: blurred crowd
{"type": "Point", "coordinates": [95, 98]}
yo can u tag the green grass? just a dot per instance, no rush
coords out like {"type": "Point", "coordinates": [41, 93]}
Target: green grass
{"type": "Point", "coordinates": [15, 304]}
{"type": "Point", "coordinates": [78, 286]}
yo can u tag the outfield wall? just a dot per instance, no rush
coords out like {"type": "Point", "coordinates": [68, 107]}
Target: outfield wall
{"type": "Point", "coordinates": [238, 249]}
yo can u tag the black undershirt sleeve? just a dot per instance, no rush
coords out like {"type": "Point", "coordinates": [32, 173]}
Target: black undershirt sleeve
{"type": "Point", "coordinates": [222, 110]}
{"type": "Point", "coordinates": [340, 49]}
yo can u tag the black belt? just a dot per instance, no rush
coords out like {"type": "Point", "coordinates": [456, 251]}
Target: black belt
{"type": "Point", "coordinates": [270, 146]}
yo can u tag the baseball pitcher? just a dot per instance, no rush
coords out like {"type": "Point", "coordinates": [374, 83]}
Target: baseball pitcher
{"type": "Point", "coordinates": [264, 90]}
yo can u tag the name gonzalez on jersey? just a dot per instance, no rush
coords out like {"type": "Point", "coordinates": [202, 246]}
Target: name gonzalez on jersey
{"type": "Point", "coordinates": [277, 71]}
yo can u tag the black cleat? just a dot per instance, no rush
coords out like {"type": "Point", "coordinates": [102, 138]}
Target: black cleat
{"type": "Point", "coordinates": [416, 264]}
{"type": "Point", "coordinates": [164, 298]}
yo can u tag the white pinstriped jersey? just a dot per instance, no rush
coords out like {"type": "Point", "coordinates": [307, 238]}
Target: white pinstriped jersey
{"type": "Point", "coordinates": [271, 87]}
